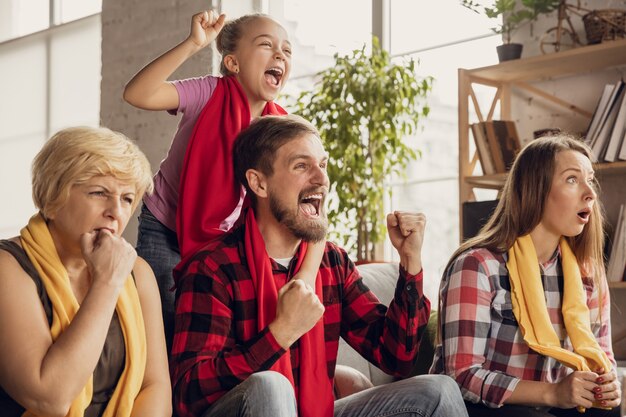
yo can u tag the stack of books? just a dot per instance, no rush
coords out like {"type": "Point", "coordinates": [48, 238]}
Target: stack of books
{"type": "Point", "coordinates": [606, 132]}
{"type": "Point", "coordinates": [497, 144]}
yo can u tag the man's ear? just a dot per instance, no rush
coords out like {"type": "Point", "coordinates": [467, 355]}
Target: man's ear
{"type": "Point", "coordinates": [257, 183]}
{"type": "Point", "coordinates": [231, 64]}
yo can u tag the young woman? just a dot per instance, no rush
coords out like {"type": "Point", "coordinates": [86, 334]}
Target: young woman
{"type": "Point", "coordinates": [524, 306]}
{"type": "Point", "coordinates": [80, 323]}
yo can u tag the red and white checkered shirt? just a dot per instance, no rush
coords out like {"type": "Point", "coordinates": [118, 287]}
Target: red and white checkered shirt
{"type": "Point", "coordinates": [482, 347]}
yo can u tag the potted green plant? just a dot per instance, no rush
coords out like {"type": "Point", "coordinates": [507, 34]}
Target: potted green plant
{"type": "Point", "coordinates": [512, 14]}
{"type": "Point", "coordinates": [364, 106]}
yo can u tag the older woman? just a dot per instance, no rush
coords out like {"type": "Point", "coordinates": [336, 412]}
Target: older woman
{"type": "Point", "coordinates": [524, 306]}
{"type": "Point", "coordinates": [81, 332]}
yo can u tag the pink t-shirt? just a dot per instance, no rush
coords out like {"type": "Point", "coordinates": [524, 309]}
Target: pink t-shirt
{"type": "Point", "coordinates": [193, 94]}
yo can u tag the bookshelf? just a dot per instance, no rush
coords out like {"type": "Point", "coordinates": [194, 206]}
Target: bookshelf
{"type": "Point", "coordinates": [519, 75]}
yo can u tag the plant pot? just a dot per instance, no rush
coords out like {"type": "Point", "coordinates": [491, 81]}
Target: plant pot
{"type": "Point", "coordinates": [509, 51]}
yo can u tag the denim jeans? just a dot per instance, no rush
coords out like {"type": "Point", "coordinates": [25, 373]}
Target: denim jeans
{"type": "Point", "coordinates": [269, 394]}
{"type": "Point", "coordinates": [263, 394]}
{"type": "Point", "coordinates": [158, 245]}
{"type": "Point", "coordinates": [423, 396]}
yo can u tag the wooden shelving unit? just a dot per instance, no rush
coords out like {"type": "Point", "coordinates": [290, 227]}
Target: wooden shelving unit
{"type": "Point", "coordinates": [496, 181]}
{"type": "Point", "coordinates": [519, 75]}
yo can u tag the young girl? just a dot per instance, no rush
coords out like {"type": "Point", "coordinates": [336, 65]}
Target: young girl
{"type": "Point", "coordinates": [196, 197]}
{"type": "Point", "coordinates": [524, 306]}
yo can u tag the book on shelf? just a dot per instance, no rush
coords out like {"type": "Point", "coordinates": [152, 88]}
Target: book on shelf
{"type": "Point", "coordinates": [616, 139]}
{"type": "Point", "coordinates": [599, 143]}
{"type": "Point", "coordinates": [598, 112]}
{"type": "Point", "coordinates": [510, 144]}
{"type": "Point", "coordinates": [622, 152]}
{"type": "Point", "coordinates": [504, 143]}
{"type": "Point", "coordinates": [482, 147]}
{"type": "Point", "coordinates": [494, 147]}
{"type": "Point", "coordinates": [617, 259]}
{"type": "Point", "coordinates": [606, 130]}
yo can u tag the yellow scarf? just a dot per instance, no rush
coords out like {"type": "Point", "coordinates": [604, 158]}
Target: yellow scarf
{"type": "Point", "coordinates": [39, 246]}
{"type": "Point", "coordinates": [531, 312]}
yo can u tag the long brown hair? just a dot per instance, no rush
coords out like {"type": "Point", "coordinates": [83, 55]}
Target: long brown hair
{"type": "Point", "coordinates": [522, 203]}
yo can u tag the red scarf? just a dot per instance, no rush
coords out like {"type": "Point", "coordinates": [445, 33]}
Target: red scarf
{"type": "Point", "coordinates": [314, 395]}
{"type": "Point", "coordinates": [208, 191]}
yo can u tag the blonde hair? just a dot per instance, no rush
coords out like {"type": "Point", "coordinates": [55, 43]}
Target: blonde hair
{"type": "Point", "coordinates": [523, 200]}
{"type": "Point", "coordinates": [74, 155]}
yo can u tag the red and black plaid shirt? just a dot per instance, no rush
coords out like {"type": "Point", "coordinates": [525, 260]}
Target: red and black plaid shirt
{"type": "Point", "coordinates": [216, 301]}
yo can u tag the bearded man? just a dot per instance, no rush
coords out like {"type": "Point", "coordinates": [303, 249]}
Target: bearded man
{"type": "Point", "coordinates": [251, 341]}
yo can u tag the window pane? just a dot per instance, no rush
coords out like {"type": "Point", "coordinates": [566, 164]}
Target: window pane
{"type": "Point", "coordinates": [16, 156]}
{"type": "Point", "coordinates": [417, 26]}
{"type": "Point", "coordinates": [436, 172]}
{"type": "Point", "coordinates": [23, 87]}
{"type": "Point", "coordinates": [21, 17]}
{"type": "Point", "coordinates": [75, 74]}
{"type": "Point", "coordinates": [75, 9]}
{"type": "Point", "coordinates": [442, 229]}
{"type": "Point", "coordinates": [320, 29]}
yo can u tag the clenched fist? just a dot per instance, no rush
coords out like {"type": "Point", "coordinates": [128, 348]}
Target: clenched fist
{"type": "Point", "coordinates": [297, 311]}
{"type": "Point", "coordinates": [406, 231]}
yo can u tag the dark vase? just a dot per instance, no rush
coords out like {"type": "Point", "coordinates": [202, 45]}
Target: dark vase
{"type": "Point", "coordinates": [509, 51]}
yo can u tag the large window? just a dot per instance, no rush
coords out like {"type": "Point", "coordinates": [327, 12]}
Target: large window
{"type": "Point", "coordinates": [49, 79]}
{"type": "Point", "coordinates": [442, 36]}
{"type": "Point", "coordinates": [431, 184]}
{"type": "Point", "coordinates": [50, 75]}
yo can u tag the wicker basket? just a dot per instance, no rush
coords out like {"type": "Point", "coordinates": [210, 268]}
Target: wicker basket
{"type": "Point", "coordinates": [605, 24]}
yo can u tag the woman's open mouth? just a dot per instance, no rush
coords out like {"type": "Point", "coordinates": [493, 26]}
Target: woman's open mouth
{"type": "Point", "coordinates": [584, 215]}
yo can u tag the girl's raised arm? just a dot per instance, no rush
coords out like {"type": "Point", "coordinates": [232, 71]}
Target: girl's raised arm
{"type": "Point", "coordinates": [311, 263]}
{"type": "Point", "coordinates": [149, 88]}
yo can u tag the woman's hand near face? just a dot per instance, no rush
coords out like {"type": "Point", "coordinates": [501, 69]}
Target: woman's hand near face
{"type": "Point", "coordinates": [110, 258]}
{"type": "Point", "coordinates": [31, 363]}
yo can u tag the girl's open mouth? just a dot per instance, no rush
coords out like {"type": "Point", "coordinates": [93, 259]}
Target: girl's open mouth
{"type": "Point", "coordinates": [274, 75]}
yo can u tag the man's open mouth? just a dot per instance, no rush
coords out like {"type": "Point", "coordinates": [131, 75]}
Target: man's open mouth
{"type": "Point", "coordinates": [274, 75]}
{"type": "Point", "coordinates": [310, 204]}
